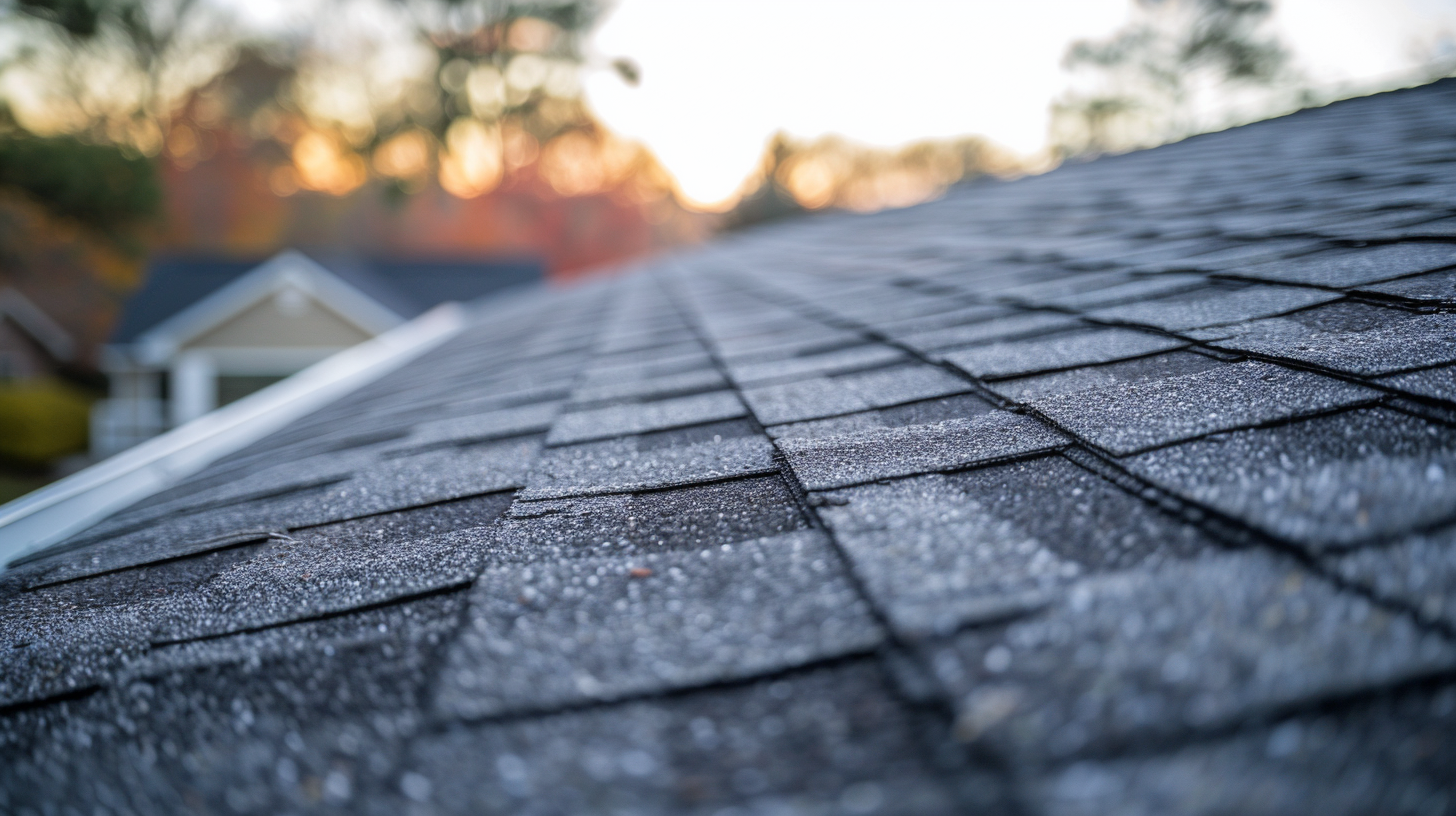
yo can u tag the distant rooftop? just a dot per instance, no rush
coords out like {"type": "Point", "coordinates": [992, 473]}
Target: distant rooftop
{"type": "Point", "coordinates": [1129, 488]}
{"type": "Point", "coordinates": [406, 286]}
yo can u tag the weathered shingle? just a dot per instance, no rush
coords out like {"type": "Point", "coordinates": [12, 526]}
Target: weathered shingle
{"type": "Point", "coordinates": [1127, 418]}
{"type": "Point", "coordinates": [1186, 645]}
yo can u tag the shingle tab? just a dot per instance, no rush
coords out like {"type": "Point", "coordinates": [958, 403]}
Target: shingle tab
{"type": "Point", "coordinates": [1353, 267]}
{"type": "Point", "coordinates": [831, 362]}
{"type": "Point", "coordinates": [1156, 367]}
{"type": "Point", "coordinates": [622, 466]}
{"type": "Point", "coordinates": [660, 387]}
{"type": "Point", "coordinates": [834, 735]}
{"type": "Point", "coordinates": [1438, 383]}
{"type": "Point", "coordinates": [1007, 328]}
{"type": "Point", "coordinates": [1391, 755]}
{"type": "Point", "coordinates": [1000, 360]}
{"type": "Point", "coordinates": [1199, 309]}
{"type": "Point", "coordinates": [545, 634]}
{"type": "Point", "coordinates": [1187, 645]}
{"type": "Point", "coordinates": [289, 734]}
{"type": "Point", "coordinates": [338, 567]}
{"type": "Point", "coordinates": [1125, 419]}
{"type": "Point", "coordinates": [1418, 572]}
{"type": "Point", "coordinates": [805, 399]}
{"type": "Point", "coordinates": [696, 517]}
{"type": "Point", "coordinates": [507, 422]}
{"type": "Point", "coordinates": [1322, 483]}
{"type": "Point", "coordinates": [1408, 341]}
{"type": "Point", "coordinates": [865, 456]}
{"type": "Point", "coordinates": [848, 393]}
{"type": "Point", "coordinates": [942, 551]}
{"type": "Point", "coordinates": [621, 420]}
{"type": "Point", "coordinates": [1128, 291]}
{"type": "Point", "coordinates": [1436, 287]}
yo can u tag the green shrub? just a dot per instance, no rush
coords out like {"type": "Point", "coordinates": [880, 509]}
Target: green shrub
{"type": "Point", "coordinates": [41, 421]}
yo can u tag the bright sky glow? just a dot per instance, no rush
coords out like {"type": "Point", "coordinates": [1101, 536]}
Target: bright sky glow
{"type": "Point", "coordinates": [719, 77]}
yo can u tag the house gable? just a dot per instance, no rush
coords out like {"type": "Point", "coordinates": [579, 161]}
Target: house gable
{"type": "Point", "coordinates": [289, 318]}
{"type": "Point", "coordinates": [290, 301]}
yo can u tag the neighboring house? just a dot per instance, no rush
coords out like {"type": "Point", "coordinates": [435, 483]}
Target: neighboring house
{"type": "Point", "coordinates": [31, 343]}
{"type": "Point", "coordinates": [203, 333]}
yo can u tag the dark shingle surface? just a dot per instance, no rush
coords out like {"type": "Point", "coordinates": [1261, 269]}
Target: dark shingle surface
{"type": "Point", "coordinates": [834, 740]}
{"type": "Point", "coordinates": [1390, 756]}
{"type": "Point", "coordinates": [1128, 488]}
{"type": "Point", "coordinates": [938, 552]}
{"type": "Point", "coordinates": [1325, 482]}
{"type": "Point", "coordinates": [1058, 351]}
{"type": "Point", "coordinates": [638, 418]}
{"type": "Point", "coordinates": [544, 634]}
{"type": "Point", "coordinates": [1183, 646]}
{"type": "Point", "coordinates": [866, 456]}
{"type": "Point", "coordinates": [1405, 341]}
{"type": "Point", "coordinates": [1337, 268]}
{"type": "Point", "coordinates": [1127, 418]}
{"type": "Point", "coordinates": [1212, 307]}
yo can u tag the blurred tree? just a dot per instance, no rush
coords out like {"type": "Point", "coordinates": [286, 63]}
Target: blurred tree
{"type": "Point", "coordinates": [1170, 72]}
{"type": "Point", "coordinates": [111, 70]}
{"type": "Point", "coordinates": [101, 187]}
{"type": "Point", "coordinates": [471, 90]}
{"type": "Point", "coordinates": [796, 177]}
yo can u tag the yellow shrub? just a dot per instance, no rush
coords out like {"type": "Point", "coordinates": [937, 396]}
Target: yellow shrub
{"type": "Point", "coordinates": [41, 421]}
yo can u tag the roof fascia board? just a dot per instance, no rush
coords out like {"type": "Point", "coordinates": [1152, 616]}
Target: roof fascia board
{"type": "Point", "coordinates": [72, 504]}
{"type": "Point", "coordinates": [55, 340]}
{"type": "Point", "coordinates": [287, 267]}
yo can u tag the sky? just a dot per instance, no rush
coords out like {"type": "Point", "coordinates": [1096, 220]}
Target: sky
{"type": "Point", "coordinates": [720, 77]}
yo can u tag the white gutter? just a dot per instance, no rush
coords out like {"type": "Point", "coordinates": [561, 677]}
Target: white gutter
{"type": "Point", "coordinates": [76, 502]}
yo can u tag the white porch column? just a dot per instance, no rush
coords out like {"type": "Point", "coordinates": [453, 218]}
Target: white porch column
{"type": "Point", "coordinates": [194, 386]}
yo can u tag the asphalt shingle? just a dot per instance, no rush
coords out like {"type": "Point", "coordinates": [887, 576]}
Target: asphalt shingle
{"type": "Point", "coordinates": [1406, 342]}
{"type": "Point", "coordinates": [1128, 418]}
{"type": "Point", "coordinates": [545, 634]}
{"type": "Point", "coordinates": [1327, 482]}
{"type": "Point", "coordinates": [1185, 646]}
{"type": "Point", "coordinates": [942, 551]}
{"type": "Point", "coordinates": [1352, 267]}
{"type": "Point", "coordinates": [1391, 756]}
{"type": "Point", "coordinates": [639, 418]}
{"type": "Point", "coordinates": [637, 463]}
{"type": "Point", "coordinates": [1001, 360]}
{"type": "Point", "coordinates": [866, 456]}
{"type": "Point", "coordinates": [833, 737]}
{"type": "Point", "coordinates": [1215, 307]}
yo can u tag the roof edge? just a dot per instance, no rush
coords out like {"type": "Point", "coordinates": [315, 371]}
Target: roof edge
{"type": "Point", "coordinates": [40, 326]}
{"type": "Point", "coordinates": [76, 502]}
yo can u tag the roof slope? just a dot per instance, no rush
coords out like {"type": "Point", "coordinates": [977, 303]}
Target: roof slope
{"type": "Point", "coordinates": [1128, 488]}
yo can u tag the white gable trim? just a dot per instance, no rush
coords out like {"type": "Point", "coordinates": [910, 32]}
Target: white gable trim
{"type": "Point", "coordinates": [81, 499]}
{"type": "Point", "coordinates": [55, 340]}
{"type": "Point", "coordinates": [289, 268]}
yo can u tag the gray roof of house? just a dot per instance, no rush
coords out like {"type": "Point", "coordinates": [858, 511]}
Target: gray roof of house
{"type": "Point", "coordinates": [1128, 488]}
{"type": "Point", "coordinates": [405, 286]}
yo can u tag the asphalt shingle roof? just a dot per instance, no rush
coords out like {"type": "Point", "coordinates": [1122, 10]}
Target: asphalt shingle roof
{"type": "Point", "coordinates": [1129, 488]}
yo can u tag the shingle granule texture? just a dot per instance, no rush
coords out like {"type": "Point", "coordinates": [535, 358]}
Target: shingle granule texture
{"type": "Point", "coordinates": [1058, 351]}
{"type": "Point", "coordinates": [1127, 488]}
{"type": "Point", "coordinates": [1126, 419]}
{"type": "Point", "coordinates": [1352, 267]}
